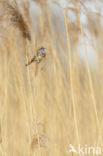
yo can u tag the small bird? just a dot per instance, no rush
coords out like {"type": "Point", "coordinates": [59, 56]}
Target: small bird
{"type": "Point", "coordinates": [38, 57]}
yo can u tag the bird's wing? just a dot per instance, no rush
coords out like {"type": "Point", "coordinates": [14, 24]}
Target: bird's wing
{"type": "Point", "coordinates": [38, 52]}
{"type": "Point", "coordinates": [33, 59]}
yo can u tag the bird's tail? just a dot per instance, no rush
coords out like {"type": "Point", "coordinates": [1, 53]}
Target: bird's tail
{"type": "Point", "coordinates": [32, 60]}
{"type": "Point", "coordinates": [28, 63]}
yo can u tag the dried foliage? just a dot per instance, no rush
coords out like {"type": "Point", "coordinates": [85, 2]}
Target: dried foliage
{"type": "Point", "coordinates": [46, 107]}
{"type": "Point", "coordinates": [14, 17]}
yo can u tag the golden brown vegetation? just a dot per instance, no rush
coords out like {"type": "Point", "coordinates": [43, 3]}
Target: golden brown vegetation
{"type": "Point", "coordinates": [48, 106]}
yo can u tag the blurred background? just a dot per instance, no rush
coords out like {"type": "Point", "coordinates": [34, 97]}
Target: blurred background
{"type": "Point", "coordinates": [46, 107]}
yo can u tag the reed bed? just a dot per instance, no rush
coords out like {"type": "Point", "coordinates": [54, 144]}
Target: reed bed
{"type": "Point", "coordinates": [46, 107]}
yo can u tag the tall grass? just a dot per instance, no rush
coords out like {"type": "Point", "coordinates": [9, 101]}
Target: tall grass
{"type": "Point", "coordinates": [48, 106]}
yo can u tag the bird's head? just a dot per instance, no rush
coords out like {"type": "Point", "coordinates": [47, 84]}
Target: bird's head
{"type": "Point", "coordinates": [42, 52]}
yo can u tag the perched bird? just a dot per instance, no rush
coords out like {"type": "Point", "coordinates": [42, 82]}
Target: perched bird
{"type": "Point", "coordinates": [38, 57]}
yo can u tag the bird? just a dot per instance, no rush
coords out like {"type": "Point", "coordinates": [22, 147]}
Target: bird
{"type": "Point", "coordinates": [38, 57]}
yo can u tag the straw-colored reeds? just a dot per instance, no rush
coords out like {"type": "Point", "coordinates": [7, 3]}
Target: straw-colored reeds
{"type": "Point", "coordinates": [46, 107]}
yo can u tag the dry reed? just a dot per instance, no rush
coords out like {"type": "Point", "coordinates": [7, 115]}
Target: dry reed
{"type": "Point", "coordinates": [48, 106]}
